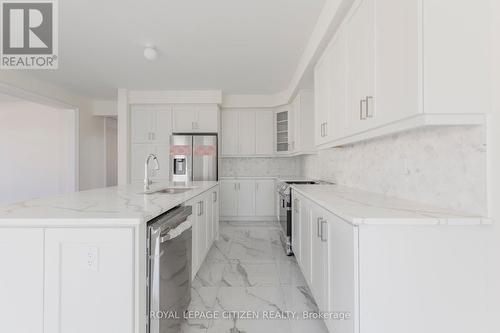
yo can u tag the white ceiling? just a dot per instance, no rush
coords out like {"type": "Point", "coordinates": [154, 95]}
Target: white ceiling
{"type": "Point", "coordinates": [239, 46]}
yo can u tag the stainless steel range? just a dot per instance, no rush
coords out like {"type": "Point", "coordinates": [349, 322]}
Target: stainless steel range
{"type": "Point", "coordinates": [285, 216]}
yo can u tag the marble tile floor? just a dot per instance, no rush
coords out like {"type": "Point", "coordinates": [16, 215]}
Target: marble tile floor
{"type": "Point", "coordinates": [248, 270]}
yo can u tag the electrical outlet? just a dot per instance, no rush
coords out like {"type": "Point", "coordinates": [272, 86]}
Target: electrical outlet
{"type": "Point", "coordinates": [92, 258]}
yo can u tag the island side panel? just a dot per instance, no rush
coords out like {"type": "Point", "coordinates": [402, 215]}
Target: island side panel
{"type": "Point", "coordinates": [422, 278]}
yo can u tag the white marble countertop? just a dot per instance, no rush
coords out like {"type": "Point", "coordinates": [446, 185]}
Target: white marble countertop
{"type": "Point", "coordinates": [360, 207]}
{"type": "Point", "coordinates": [278, 178]}
{"type": "Point", "coordinates": [123, 205]}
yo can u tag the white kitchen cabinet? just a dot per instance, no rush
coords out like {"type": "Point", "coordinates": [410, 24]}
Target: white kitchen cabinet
{"type": "Point", "coordinates": [284, 129]}
{"type": "Point", "coordinates": [319, 252]}
{"type": "Point", "coordinates": [264, 132]}
{"type": "Point", "coordinates": [296, 224]}
{"type": "Point", "coordinates": [303, 123]}
{"type": "Point", "coordinates": [195, 118]}
{"type": "Point", "coordinates": [229, 133]}
{"type": "Point", "coordinates": [205, 224]}
{"type": "Point", "coordinates": [246, 133]}
{"type": "Point", "coordinates": [389, 70]}
{"type": "Point", "coordinates": [359, 29]}
{"type": "Point", "coordinates": [229, 197]}
{"type": "Point", "coordinates": [89, 271]}
{"type": "Point", "coordinates": [321, 97]}
{"type": "Point", "coordinates": [305, 238]}
{"type": "Point", "coordinates": [215, 213]}
{"type": "Point", "coordinates": [264, 197]}
{"type": "Point", "coordinates": [139, 153]}
{"type": "Point", "coordinates": [246, 197]}
{"type": "Point", "coordinates": [21, 280]}
{"type": "Point", "coordinates": [150, 124]}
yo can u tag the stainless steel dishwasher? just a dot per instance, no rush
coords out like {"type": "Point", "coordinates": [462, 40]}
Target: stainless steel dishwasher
{"type": "Point", "coordinates": [169, 269]}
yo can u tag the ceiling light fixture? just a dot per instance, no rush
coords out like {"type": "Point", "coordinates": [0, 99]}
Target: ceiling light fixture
{"type": "Point", "coordinates": [150, 52]}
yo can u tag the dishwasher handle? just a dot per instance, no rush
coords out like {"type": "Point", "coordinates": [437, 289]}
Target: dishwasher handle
{"type": "Point", "coordinates": [176, 232]}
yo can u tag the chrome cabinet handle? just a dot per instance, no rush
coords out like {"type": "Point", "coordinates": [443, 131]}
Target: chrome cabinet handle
{"type": "Point", "coordinates": [235, 186]}
{"type": "Point", "coordinates": [326, 128]}
{"type": "Point", "coordinates": [323, 222]}
{"type": "Point", "coordinates": [318, 222]}
{"type": "Point", "coordinates": [369, 109]}
{"type": "Point", "coordinates": [361, 115]}
{"type": "Point", "coordinates": [257, 186]}
{"type": "Point", "coordinates": [214, 196]}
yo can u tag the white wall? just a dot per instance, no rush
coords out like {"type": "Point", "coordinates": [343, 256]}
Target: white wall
{"type": "Point", "coordinates": [92, 173]}
{"type": "Point", "coordinates": [37, 150]}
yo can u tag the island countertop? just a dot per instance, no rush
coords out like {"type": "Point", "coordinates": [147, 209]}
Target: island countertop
{"type": "Point", "coordinates": [119, 205]}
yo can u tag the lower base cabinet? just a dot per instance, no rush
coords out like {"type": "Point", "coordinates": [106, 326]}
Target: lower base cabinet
{"type": "Point", "coordinates": [205, 222]}
{"type": "Point", "coordinates": [387, 278]}
{"type": "Point", "coordinates": [248, 199]}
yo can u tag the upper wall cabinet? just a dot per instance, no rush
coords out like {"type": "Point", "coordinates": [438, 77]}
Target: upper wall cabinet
{"type": "Point", "coordinates": [195, 118]}
{"type": "Point", "coordinates": [303, 123]}
{"type": "Point", "coordinates": [150, 124]}
{"type": "Point", "coordinates": [372, 78]}
{"type": "Point", "coordinates": [247, 133]}
{"type": "Point", "coordinates": [284, 130]}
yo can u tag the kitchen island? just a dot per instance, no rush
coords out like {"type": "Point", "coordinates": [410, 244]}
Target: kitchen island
{"type": "Point", "coordinates": [77, 262]}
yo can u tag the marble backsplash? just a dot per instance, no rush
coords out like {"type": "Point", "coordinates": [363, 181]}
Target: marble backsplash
{"type": "Point", "coordinates": [443, 166]}
{"type": "Point", "coordinates": [260, 166]}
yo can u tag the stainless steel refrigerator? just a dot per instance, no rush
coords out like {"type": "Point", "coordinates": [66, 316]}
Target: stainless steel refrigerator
{"type": "Point", "coordinates": [193, 157]}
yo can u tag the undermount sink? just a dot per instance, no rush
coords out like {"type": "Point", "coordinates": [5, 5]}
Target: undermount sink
{"type": "Point", "coordinates": [170, 190]}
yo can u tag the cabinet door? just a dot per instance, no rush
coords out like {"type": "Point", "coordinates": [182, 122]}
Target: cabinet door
{"type": "Point", "coordinates": [141, 121]}
{"type": "Point", "coordinates": [195, 236]}
{"type": "Point", "coordinates": [321, 97]}
{"type": "Point", "coordinates": [305, 239]}
{"type": "Point", "coordinates": [397, 59]}
{"type": "Point", "coordinates": [264, 198]}
{"type": "Point", "coordinates": [207, 120]}
{"type": "Point", "coordinates": [229, 133]}
{"type": "Point", "coordinates": [209, 206]}
{"type": "Point", "coordinates": [336, 119]}
{"type": "Point", "coordinates": [139, 153]}
{"type": "Point", "coordinates": [319, 248]}
{"type": "Point", "coordinates": [162, 151]}
{"type": "Point", "coordinates": [215, 212]}
{"type": "Point", "coordinates": [360, 58]}
{"type": "Point", "coordinates": [264, 132]}
{"type": "Point", "coordinates": [304, 133]}
{"type": "Point", "coordinates": [201, 222]}
{"type": "Point", "coordinates": [162, 125]}
{"type": "Point", "coordinates": [21, 280]}
{"type": "Point", "coordinates": [246, 133]}
{"type": "Point", "coordinates": [296, 207]}
{"type": "Point", "coordinates": [184, 118]}
{"type": "Point", "coordinates": [229, 198]}
{"type": "Point", "coordinates": [89, 273]}
{"type": "Point", "coordinates": [246, 197]}
{"type": "Point", "coordinates": [342, 276]}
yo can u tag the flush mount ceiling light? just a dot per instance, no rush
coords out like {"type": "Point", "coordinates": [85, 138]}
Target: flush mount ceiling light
{"type": "Point", "coordinates": [150, 52]}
